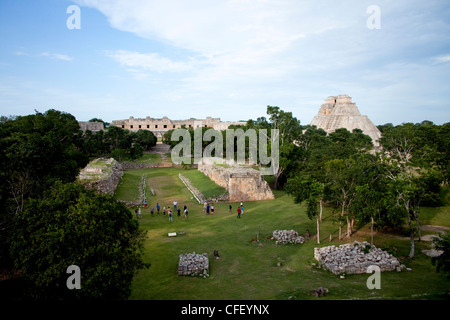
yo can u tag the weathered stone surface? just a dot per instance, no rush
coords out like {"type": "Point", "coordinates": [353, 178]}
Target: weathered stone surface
{"type": "Point", "coordinates": [354, 258]}
{"type": "Point", "coordinates": [340, 112]}
{"type": "Point", "coordinates": [242, 183]}
{"type": "Point", "coordinates": [193, 264]}
{"type": "Point", "coordinates": [102, 175]}
{"type": "Point", "coordinates": [91, 126]}
{"type": "Point", "coordinates": [287, 236]}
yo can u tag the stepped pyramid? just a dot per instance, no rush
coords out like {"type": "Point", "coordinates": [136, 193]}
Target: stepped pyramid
{"type": "Point", "coordinates": [340, 112]}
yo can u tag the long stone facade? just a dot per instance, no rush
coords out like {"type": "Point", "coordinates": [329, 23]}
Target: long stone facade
{"type": "Point", "coordinates": [162, 125]}
{"type": "Point", "coordinates": [242, 184]}
{"type": "Point", "coordinates": [340, 112]}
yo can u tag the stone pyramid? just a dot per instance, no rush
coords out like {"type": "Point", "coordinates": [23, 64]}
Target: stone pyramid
{"type": "Point", "coordinates": [340, 112]}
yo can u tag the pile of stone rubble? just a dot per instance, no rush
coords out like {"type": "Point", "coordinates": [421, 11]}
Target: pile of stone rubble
{"type": "Point", "coordinates": [355, 258]}
{"type": "Point", "coordinates": [287, 236]}
{"type": "Point", "coordinates": [193, 264]}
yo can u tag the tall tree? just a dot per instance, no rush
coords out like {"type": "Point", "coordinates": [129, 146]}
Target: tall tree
{"type": "Point", "coordinates": [288, 130]}
{"type": "Point", "coordinates": [306, 189]}
{"type": "Point", "coordinates": [70, 225]}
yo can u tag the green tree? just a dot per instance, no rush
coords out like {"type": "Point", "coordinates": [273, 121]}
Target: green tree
{"type": "Point", "coordinates": [68, 226]}
{"type": "Point", "coordinates": [343, 178]}
{"type": "Point", "coordinates": [367, 205]}
{"type": "Point", "coordinates": [305, 188]}
{"type": "Point", "coordinates": [145, 138]}
{"type": "Point", "coordinates": [288, 130]}
{"type": "Point", "coordinates": [442, 262]}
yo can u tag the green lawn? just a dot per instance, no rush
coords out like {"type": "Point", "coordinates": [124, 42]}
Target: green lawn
{"type": "Point", "coordinates": [203, 184]}
{"type": "Point", "coordinates": [128, 188]}
{"type": "Point", "coordinates": [247, 269]}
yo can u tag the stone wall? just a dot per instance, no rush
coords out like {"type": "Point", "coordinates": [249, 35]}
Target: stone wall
{"type": "Point", "coordinates": [102, 175]}
{"type": "Point", "coordinates": [242, 184]}
{"type": "Point", "coordinates": [91, 126]}
{"type": "Point", "coordinates": [355, 258]}
{"type": "Point", "coordinates": [287, 236]}
{"type": "Point", "coordinates": [193, 264]}
{"type": "Point", "coordinates": [162, 125]}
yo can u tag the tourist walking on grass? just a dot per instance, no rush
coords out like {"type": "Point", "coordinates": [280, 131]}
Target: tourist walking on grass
{"type": "Point", "coordinates": [140, 213]}
{"type": "Point", "coordinates": [207, 209]}
{"type": "Point", "coordinates": [157, 207]}
{"type": "Point", "coordinates": [175, 205]}
{"type": "Point", "coordinates": [179, 212]}
{"type": "Point", "coordinates": [186, 212]}
{"type": "Point", "coordinates": [231, 208]}
{"type": "Point", "coordinates": [164, 211]}
{"type": "Point", "coordinates": [136, 211]}
{"type": "Point", "coordinates": [212, 209]}
{"type": "Point", "coordinates": [239, 212]}
{"type": "Point", "coordinates": [145, 203]}
{"type": "Point", "coordinates": [169, 212]}
{"type": "Point", "coordinates": [152, 210]}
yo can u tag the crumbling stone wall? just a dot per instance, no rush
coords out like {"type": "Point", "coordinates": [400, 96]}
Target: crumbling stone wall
{"type": "Point", "coordinates": [102, 175]}
{"type": "Point", "coordinates": [241, 183]}
{"type": "Point", "coordinates": [355, 258]}
{"type": "Point", "coordinates": [193, 264]}
{"type": "Point", "coordinates": [287, 236]}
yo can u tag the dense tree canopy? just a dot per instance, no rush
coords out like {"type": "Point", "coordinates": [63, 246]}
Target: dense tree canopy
{"type": "Point", "coordinates": [48, 222]}
{"type": "Point", "coordinates": [68, 226]}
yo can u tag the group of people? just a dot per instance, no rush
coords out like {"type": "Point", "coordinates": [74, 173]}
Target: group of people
{"type": "Point", "coordinates": [209, 209]}
{"type": "Point", "coordinates": [240, 210]}
{"type": "Point", "coordinates": [158, 209]}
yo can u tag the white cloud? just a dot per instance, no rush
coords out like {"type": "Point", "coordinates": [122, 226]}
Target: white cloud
{"type": "Point", "coordinates": [57, 56]}
{"type": "Point", "coordinates": [442, 59]}
{"type": "Point", "coordinates": [150, 61]}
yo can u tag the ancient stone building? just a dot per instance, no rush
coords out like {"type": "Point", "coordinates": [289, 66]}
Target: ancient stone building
{"type": "Point", "coordinates": [340, 112]}
{"type": "Point", "coordinates": [241, 183]}
{"type": "Point", "coordinates": [101, 175]}
{"type": "Point", "coordinates": [92, 126]}
{"type": "Point", "coordinates": [161, 126]}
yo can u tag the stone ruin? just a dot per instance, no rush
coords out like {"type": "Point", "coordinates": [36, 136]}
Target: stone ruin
{"type": "Point", "coordinates": [355, 258]}
{"type": "Point", "coordinates": [91, 126]}
{"type": "Point", "coordinates": [193, 264]}
{"type": "Point", "coordinates": [340, 112]}
{"type": "Point", "coordinates": [287, 236]}
{"type": "Point", "coordinates": [101, 175]}
{"type": "Point", "coordinates": [242, 183]}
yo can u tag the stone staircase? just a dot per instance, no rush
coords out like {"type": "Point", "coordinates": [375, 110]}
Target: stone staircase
{"type": "Point", "coordinates": [160, 148]}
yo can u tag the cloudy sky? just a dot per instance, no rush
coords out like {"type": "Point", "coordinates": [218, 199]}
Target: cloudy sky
{"type": "Point", "coordinates": [225, 58]}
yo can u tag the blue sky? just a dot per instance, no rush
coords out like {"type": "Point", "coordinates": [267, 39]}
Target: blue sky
{"type": "Point", "coordinates": [227, 59]}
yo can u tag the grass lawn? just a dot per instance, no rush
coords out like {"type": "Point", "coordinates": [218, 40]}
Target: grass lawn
{"type": "Point", "coordinates": [203, 184]}
{"type": "Point", "coordinates": [248, 269]}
